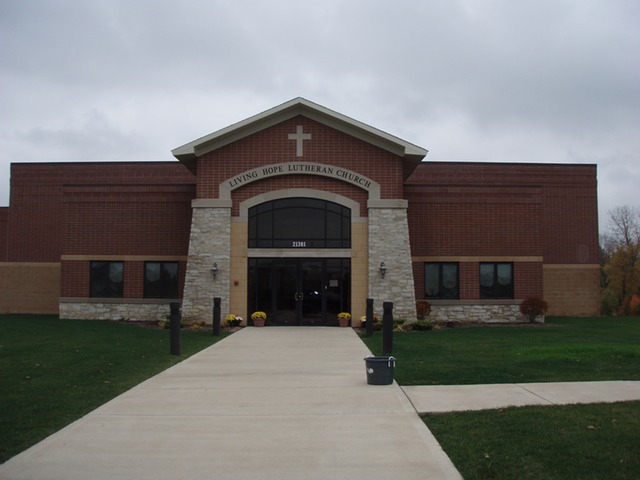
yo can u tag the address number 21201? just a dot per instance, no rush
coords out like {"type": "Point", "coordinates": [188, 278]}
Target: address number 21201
{"type": "Point", "coordinates": [299, 244]}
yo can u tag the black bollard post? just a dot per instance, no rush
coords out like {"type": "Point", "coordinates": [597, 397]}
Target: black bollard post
{"type": "Point", "coordinates": [174, 328]}
{"type": "Point", "coordinates": [369, 325]}
{"type": "Point", "coordinates": [216, 316]}
{"type": "Point", "coordinates": [387, 328]}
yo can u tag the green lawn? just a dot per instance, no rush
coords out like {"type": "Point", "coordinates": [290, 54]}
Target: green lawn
{"type": "Point", "coordinates": [564, 349]}
{"type": "Point", "coordinates": [54, 371]}
{"type": "Point", "coordinates": [543, 443]}
{"type": "Point", "coordinates": [555, 443]}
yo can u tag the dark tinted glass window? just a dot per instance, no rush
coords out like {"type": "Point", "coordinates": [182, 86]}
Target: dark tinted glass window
{"type": "Point", "coordinates": [299, 223]}
{"type": "Point", "coordinates": [161, 279]}
{"type": "Point", "coordinates": [496, 280]}
{"type": "Point", "coordinates": [106, 279]}
{"type": "Point", "coordinates": [441, 280]}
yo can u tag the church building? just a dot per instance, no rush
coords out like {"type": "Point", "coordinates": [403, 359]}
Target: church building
{"type": "Point", "coordinates": [300, 212]}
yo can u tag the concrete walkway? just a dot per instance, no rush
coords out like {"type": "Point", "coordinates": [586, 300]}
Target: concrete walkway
{"type": "Point", "coordinates": [285, 403]}
{"type": "Point", "coordinates": [452, 398]}
{"type": "Point", "coordinates": [264, 403]}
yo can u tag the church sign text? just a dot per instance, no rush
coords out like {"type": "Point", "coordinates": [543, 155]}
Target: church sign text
{"type": "Point", "coordinates": [305, 168]}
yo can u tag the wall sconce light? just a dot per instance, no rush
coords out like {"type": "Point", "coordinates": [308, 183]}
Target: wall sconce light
{"type": "Point", "coordinates": [214, 270]}
{"type": "Point", "coordinates": [383, 269]}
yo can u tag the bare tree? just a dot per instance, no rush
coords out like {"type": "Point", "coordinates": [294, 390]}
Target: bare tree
{"type": "Point", "coordinates": [620, 251]}
{"type": "Point", "coordinates": [624, 225]}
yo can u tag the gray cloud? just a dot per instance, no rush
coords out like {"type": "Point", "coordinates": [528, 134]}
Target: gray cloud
{"type": "Point", "coordinates": [493, 80]}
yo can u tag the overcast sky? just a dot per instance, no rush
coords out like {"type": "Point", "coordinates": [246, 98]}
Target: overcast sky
{"type": "Point", "coordinates": [554, 81]}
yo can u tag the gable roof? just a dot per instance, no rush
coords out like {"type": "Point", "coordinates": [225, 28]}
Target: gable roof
{"type": "Point", "coordinates": [412, 154]}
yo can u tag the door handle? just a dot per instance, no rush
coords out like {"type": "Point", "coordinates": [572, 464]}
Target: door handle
{"type": "Point", "coordinates": [299, 296]}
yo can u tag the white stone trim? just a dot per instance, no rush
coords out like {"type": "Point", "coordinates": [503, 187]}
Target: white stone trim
{"type": "Point", "coordinates": [211, 203]}
{"type": "Point", "coordinates": [391, 203]}
{"type": "Point", "coordinates": [122, 301]}
{"type": "Point", "coordinates": [299, 137]}
{"type": "Point", "coordinates": [299, 252]}
{"type": "Point", "coordinates": [290, 109]}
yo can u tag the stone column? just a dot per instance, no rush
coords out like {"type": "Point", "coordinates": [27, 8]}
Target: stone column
{"type": "Point", "coordinates": [389, 243]}
{"type": "Point", "coordinates": [209, 243]}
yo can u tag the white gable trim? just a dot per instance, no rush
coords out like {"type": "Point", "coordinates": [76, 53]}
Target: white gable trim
{"type": "Point", "coordinates": [298, 106]}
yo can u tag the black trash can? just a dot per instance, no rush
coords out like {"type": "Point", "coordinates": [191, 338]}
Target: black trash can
{"type": "Point", "coordinates": [380, 369]}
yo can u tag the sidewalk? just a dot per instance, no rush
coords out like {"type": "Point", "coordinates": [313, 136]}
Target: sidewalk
{"type": "Point", "coordinates": [451, 398]}
{"type": "Point", "coordinates": [285, 403]}
{"type": "Point", "coordinates": [265, 403]}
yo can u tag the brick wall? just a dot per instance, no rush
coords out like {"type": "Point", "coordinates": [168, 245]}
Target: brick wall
{"type": "Point", "coordinates": [474, 221]}
{"type": "Point", "coordinates": [75, 275]}
{"type": "Point", "coordinates": [127, 220]}
{"type": "Point", "coordinates": [327, 146]}
{"type": "Point", "coordinates": [34, 225]}
{"type": "Point", "coordinates": [528, 279]}
{"type": "Point", "coordinates": [29, 287]}
{"type": "Point", "coordinates": [572, 289]}
{"type": "Point", "coordinates": [540, 216]}
{"type": "Point", "coordinates": [73, 213]}
{"type": "Point", "coordinates": [530, 209]}
{"type": "Point", "coordinates": [4, 226]}
{"type": "Point", "coordinates": [37, 216]}
{"type": "Point", "coordinates": [510, 212]}
{"type": "Point", "coordinates": [76, 278]}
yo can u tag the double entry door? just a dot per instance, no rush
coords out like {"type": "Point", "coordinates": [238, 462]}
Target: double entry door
{"type": "Point", "coordinates": [300, 291]}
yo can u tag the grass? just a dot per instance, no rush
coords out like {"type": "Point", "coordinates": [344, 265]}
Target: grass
{"type": "Point", "coordinates": [54, 371]}
{"type": "Point", "coordinates": [574, 441]}
{"type": "Point", "coordinates": [555, 443]}
{"type": "Point", "coordinates": [565, 349]}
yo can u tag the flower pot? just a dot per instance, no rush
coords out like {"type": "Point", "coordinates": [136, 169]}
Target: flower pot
{"type": "Point", "coordinates": [258, 322]}
{"type": "Point", "coordinates": [344, 322]}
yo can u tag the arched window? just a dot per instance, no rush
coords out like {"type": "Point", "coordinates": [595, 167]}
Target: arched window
{"type": "Point", "coordinates": [299, 223]}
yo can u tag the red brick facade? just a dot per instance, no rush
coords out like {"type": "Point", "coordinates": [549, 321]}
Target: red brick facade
{"type": "Point", "coordinates": [271, 146]}
{"type": "Point", "coordinates": [98, 210]}
{"type": "Point", "coordinates": [4, 220]}
{"type": "Point", "coordinates": [503, 211]}
{"type": "Point", "coordinates": [84, 208]}
{"type": "Point", "coordinates": [540, 217]}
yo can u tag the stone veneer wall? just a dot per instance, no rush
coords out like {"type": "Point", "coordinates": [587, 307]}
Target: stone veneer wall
{"type": "Point", "coordinates": [389, 243]}
{"type": "Point", "coordinates": [115, 311]}
{"type": "Point", "coordinates": [477, 314]}
{"type": "Point", "coordinates": [209, 243]}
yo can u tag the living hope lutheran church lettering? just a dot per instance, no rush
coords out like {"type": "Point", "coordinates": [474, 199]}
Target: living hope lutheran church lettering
{"type": "Point", "coordinates": [300, 168]}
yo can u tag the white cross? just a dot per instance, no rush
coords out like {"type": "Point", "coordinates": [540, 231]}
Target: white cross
{"type": "Point", "coordinates": [299, 137]}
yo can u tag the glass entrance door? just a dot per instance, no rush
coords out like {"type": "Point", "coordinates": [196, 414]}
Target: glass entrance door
{"type": "Point", "coordinates": [300, 291]}
{"type": "Point", "coordinates": [285, 304]}
{"type": "Point", "coordinates": [312, 288]}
